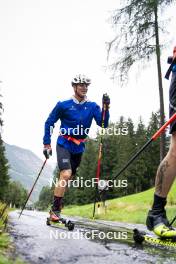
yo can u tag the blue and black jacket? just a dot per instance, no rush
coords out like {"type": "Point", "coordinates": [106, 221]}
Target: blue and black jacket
{"type": "Point", "coordinates": [76, 119]}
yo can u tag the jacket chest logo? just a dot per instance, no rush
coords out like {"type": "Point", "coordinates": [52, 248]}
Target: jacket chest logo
{"type": "Point", "coordinates": [72, 108]}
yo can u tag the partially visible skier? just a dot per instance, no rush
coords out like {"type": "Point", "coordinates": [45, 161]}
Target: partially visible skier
{"type": "Point", "coordinates": [75, 114]}
{"type": "Point", "coordinates": [157, 219]}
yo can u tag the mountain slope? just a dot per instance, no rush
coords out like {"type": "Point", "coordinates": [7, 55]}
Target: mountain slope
{"type": "Point", "coordinates": [25, 166]}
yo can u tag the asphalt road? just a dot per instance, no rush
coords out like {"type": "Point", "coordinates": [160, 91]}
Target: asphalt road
{"type": "Point", "coordinates": [94, 243]}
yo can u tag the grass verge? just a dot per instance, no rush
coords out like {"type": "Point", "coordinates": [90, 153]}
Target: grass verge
{"type": "Point", "coordinates": [131, 208]}
{"type": "Point", "coordinates": [6, 248]}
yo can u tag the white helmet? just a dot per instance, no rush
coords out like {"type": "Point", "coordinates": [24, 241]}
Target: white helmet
{"type": "Point", "coordinates": [81, 79]}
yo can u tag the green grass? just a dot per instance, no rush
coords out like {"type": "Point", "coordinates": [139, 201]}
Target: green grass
{"type": "Point", "coordinates": [5, 260]}
{"type": "Point", "coordinates": [131, 208]}
{"type": "Point", "coordinates": [5, 244]}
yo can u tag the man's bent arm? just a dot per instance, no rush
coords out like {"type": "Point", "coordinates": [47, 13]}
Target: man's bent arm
{"type": "Point", "coordinates": [49, 124]}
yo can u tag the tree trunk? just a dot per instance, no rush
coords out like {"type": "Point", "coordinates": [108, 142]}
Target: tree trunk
{"type": "Point", "coordinates": [162, 115]}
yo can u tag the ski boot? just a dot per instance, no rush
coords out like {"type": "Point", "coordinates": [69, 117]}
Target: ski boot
{"type": "Point", "coordinates": [158, 223]}
{"type": "Point", "coordinates": [54, 216]}
{"type": "Point", "coordinates": [56, 220]}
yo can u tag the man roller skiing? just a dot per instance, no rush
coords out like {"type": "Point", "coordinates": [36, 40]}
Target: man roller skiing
{"type": "Point", "coordinates": [76, 115]}
{"type": "Point", "coordinates": [157, 219]}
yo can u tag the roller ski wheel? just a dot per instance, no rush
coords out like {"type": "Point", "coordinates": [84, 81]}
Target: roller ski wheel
{"type": "Point", "coordinates": [70, 225]}
{"type": "Point", "coordinates": [138, 236]}
{"type": "Point", "coordinates": [48, 222]}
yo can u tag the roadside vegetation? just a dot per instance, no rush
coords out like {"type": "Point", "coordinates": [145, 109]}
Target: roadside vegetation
{"type": "Point", "coordinates": [7, 255]}
{"type": "Point", "coordinates": [11, 193]}
{"type": "Point", "coordinates": [132, 208]}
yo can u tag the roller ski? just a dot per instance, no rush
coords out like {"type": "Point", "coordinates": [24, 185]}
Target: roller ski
{"type": "Point", "coordinates": [157, 222]}
{"type": "Point", "coordinates": [56, 220]}
{"type": "Point", "coordinates": [141, 237]}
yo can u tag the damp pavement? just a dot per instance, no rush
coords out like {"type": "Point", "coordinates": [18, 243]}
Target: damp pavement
{"type": "Point", "coordinates": [95, 242]}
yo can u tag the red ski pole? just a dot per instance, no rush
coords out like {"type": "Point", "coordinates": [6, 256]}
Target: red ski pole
{"type": "Point", "coordinates": [153, 138]}
{"type": "Point", "coordinates": [99, 159]}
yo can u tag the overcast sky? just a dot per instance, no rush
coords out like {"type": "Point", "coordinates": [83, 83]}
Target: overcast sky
{"type": "Point", "coordinates": [43, 44]}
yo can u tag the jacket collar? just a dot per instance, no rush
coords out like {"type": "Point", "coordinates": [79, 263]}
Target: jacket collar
{"type": "Point", "coordinates": [77, 102]}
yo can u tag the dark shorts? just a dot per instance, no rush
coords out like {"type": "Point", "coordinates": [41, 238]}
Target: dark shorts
{"type": "Point", "coordinates": [172, 101]}
{"type": "Point", "coordinates": [67, 160]}
{"type": "Point", "coordinates": [173, 124]}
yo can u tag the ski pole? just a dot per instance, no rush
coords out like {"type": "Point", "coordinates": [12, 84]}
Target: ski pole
{"type": "Point", "coordinates": [153, 138]}
{"type": "Point", "coordinates": [32, 188]}
{"type": "Point", "coordinates": [99, 158]}
{"type": "Point", "coordinates": [172, 221]}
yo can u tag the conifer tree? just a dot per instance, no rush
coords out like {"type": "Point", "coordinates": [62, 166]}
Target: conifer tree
{"type": "Point", "coordinates": [4, 177]}
{"type": "Point", "coordinates": [139, 27]}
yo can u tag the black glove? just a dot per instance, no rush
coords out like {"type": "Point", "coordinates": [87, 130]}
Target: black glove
{"type": "Point", "coordinates": [47, 151]}
{"type": "Point", "coordinates": [106, 101]}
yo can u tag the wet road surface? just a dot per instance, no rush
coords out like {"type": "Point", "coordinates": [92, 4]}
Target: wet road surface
{"type": "Point", "coordinates": [98, 242]}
